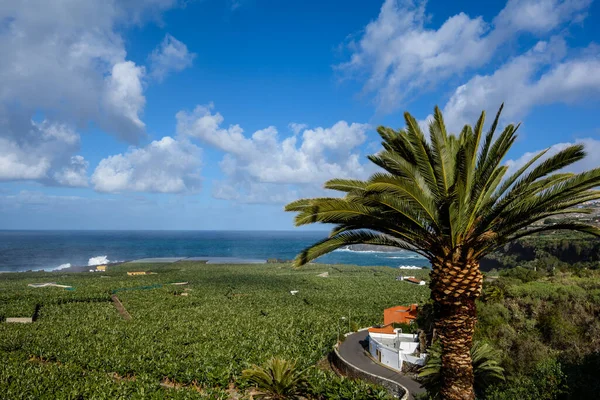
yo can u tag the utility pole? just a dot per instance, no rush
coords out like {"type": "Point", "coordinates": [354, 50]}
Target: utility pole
{"type": "Point", "coordinates": [349, 328]}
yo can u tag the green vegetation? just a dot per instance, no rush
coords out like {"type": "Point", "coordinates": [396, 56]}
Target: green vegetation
{"type": "Point", "coordinates": [448, 198]}
{"type": "Point", "coordinates": [545, 330]}
{"type": "Point", "coordinates": [486, 368]}
{"type": "Point", "coordinates": [548, 328]}
{"type": "Point", "coordinates": [278, 379]}
{"type": "Point", "coordinates": [548, 252]}
{"type": "Point", "coordinates": [543, 326]}
{"type": "Point", "coordinates": [188, 341]}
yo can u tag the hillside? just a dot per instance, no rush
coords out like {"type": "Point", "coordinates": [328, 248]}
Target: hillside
{"type": "Point", "coordinates": [547, 251]}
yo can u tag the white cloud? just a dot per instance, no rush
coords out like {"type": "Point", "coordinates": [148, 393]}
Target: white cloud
{"type": "Point", "coordinates": [73, 174]}
{"type": "Point", "coordinates": [39, 151]}
{"type": "Point", "coordinates": [540, 76]}
{"type": "Point", "coordinates": [264, 165]}
{"type": "Point", "coordinates": [540, 16]}
{"type": "Point", "coordinates": [16, 163]}
{"type": "Point", "coordinates": [140, 10]}
{"type": "Point", "coordinates": [296, 127]}
{"type": "Point", "coordinates": [170, 55]}
{"type": "Point", "coordinates": [124, 98]}
{"type": "Point", "coordinates": [401, 57]}
{"type": "Point", "coordinates": [255, 193]}
{"type": "Point", "coordinates": [66, 61]}
{"type": "Point", "coordinates": [37, 199]}
{"type": "Point", "coordinates": [164, 166]}
{"type": "Point", "coordinates": [592, 148]}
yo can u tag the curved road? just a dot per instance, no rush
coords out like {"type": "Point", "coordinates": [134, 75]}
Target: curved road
{"type": "Point", "coordinates": [352, 350]}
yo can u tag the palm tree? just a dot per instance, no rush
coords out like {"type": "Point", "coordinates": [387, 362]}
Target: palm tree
{"type": "Point", "coordinates": [449, 199]}
{"type": "Point", "coordinates": [278, 379]}
{"type": "Point", "coordinates": [486, 368]}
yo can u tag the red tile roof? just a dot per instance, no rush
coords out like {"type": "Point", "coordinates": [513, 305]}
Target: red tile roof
{"type": "Point", "coordinates": [389, 329]}
{"type": "Point", "coordinates": [400, 314]}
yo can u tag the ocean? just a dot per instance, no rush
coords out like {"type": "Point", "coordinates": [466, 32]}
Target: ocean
{"type": "Point", "coordinates": [54, 250]}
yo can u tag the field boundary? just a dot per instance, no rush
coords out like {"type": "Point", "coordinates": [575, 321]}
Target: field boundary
{"type": "Point", "coordinates": [120, 308]}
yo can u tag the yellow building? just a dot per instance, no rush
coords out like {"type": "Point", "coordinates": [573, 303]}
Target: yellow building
{"type": "Point", "coordinates": [101, 268]}
{"type": "Point", "coordinates": [132, 273]}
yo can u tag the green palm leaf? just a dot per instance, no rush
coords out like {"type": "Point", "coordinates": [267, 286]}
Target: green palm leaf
{"type": "Point", "coordinates": [278, 379]}
{"type": "Point", "coordinates": [448, 199]}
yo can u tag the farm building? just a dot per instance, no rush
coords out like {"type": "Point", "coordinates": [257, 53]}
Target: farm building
{"type": "Point", "coordinates": [400, 314]}
{"type": "Point", "coordinates": [411, 279]}
{"type": "Point", "coordinates": [394, 349]}
{"type": "Point", "coordinates": [101, 268]}
{"type": "Point", "coordinates": [391, 347]}
{"type": "Point", "coordinates": [396, 315]}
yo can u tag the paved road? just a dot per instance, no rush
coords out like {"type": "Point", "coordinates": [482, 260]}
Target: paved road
{"type": "Point", "coordinates": [352, 350]}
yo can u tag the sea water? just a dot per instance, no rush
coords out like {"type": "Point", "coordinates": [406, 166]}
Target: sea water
{"type": "Point", "coordinates": [52, 250]}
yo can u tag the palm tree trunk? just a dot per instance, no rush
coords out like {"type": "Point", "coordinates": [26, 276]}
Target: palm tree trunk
{"type": "Point", "coordinates": [454, 289]}
{"type": "Point", "coordinates": [455, 328]}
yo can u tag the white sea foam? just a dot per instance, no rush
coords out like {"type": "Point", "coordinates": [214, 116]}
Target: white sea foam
{"type": "Point", "coordinates": [98, 260]}
{"type": "Point", "coordinates": [387, 254]}
{"type": "Point", "coordinates": [409, 267]}
{"type": "Point", "coordinates": [344, 249]}
{"type": "Point", "coordinates": [62, 266]}
{"type": "Point", "coordinates": [407, 256]}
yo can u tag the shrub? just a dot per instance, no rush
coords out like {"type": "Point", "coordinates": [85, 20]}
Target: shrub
{"type": "Point", "coordinates": [278, 379]}
{"type": "Point", "coordinates": [546, 383]}
{"type": "Point", "coordinates": [523, 274]}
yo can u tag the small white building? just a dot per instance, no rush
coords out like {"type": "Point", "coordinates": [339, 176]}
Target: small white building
{"type": "Point", "coordinates": [411, 279]}
{"type": "Point", "coordinates": [394, 349]}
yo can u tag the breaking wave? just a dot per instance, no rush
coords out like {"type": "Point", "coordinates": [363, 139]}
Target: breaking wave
{"type": "Point", "coordinates": [61, 266]}
{"type": "Point", "coordinates": [98, 260]}
{"type": "Point", "coordinates": [358, 251]}
{"type": "Point", "coordinates": [347, 250]}
{"type": "Point", "coordinates": [407, 256]}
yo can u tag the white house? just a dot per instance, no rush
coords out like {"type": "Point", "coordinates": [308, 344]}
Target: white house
{"type": "Point", "coordinates": [394, 349]}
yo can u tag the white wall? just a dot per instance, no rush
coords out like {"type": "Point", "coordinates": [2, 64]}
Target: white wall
{"type": "Point", "coordinates": [385, 355]}
{"type": "Point", "coordinates": [389, 356]}
{"type": "Point", "coordinates": [408, 347]}
{"type": "Point", "coordinates": [406, 336]}
{"type": "Point", "coordinates": [372, 347]}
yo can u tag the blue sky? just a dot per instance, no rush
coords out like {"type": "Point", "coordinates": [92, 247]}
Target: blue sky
{"type": "Point", "coordinates": [166, 114]}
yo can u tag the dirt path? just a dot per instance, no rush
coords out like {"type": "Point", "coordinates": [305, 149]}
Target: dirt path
{"type": "Point", "coordinates": [120, 308]}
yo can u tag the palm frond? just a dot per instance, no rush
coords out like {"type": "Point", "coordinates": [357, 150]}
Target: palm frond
{"type": "Point", "coordinates": [279, 379]}
{"type": "Point", "coordinates": [346, 185]}
{"type": "Point", "coordinates": [423, 156]}
{"type": "Point", "coordinates": [448, 197]}
{"type": "Point", "coordinates": [347, 238]}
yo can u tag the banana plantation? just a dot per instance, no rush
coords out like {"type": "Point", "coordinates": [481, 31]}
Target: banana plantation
{"type": "Point", "coordinates": [193, 329]}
